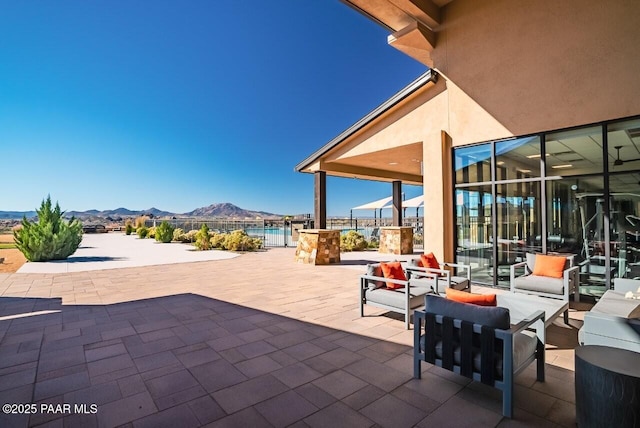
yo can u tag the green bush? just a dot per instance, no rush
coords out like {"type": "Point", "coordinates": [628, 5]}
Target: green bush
{"type": "Point", "coordinates": [178, 235]}
{"type": "Point", "coordinates": [202, 238]}
{"type": "Point", "coordinates": [238, 240]}
{"type": "Point", "coordinates": [128, 228]}
{"type": "Point", "coordinates": [217, 240]}
{"type": "Point", "coordinates": [352, 241]}
{"type": "Point", "coordinates": [191, 236]}
{"type": "Point", "coordinates": [142, 232]}
{"type": "Point", "coordinates": [164, 232]}
{"type": "Point", "coordinates": [51, 238]}
{"type": "Point", "coordinates": [151, 233]}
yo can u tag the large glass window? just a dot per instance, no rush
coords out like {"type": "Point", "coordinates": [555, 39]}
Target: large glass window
{"type": "Point", "coordinates": [473, 164]}
{"type": "Point", "coordinates": [518, 158]}
{"type": "Point", "coordinates": [474, 231]}
{"type": "Point", "coordinates": [511, 199]}
{"type": "Point", "coordinates": [518, 213]}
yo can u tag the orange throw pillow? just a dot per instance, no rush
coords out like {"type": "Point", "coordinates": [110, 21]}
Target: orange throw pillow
{"type": "Point", "coordinates": [393, 270]}
{"type": "Point", "coordinates": [551, 266]}
{"type": "Point", "coordinates": [476, 299]}
{"type": "Point", "coordinates": [429, 261]}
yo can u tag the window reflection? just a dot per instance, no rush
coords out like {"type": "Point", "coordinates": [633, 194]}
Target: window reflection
{"type": "Point", "coordinates": [473, 164]}
{"type": "Point", "coordinates": [518, 158]}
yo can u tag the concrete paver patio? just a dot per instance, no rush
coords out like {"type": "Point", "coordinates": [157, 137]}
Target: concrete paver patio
{"type": "Point", "coordinates": [257, 340]}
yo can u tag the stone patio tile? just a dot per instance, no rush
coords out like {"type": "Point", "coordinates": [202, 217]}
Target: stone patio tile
{"type": "Point", "coordinates": [378, 374]}
{"type": "Point", "coordinates": [340, 384]}
{"type": "Point", "coordinates": [245, 394]}
{"type": "Point", "coordinates": [340, 357]}
{"type": "Point", "coordinates": [131, 385]}
{"type": "Point", "coordinates": [526, 419]}
{"type": "Point", "coordinates": [171, 383]}
{"type": "Point", "coordinates": [197, 357]}
{"type": "Point", "coordinates": [562, 413]}
{"type": "Point", "coordinates": [246, 418]}
{"type": "Point", "coordinates": [417, 400]}
{"type": "Point", "coordinates": [296, 374]}
{"type": "Point", "coordinates": [217, 375]}
{"type": "Point", "coordinates": [156, 335]}
{"type": "Point", "coordinates": [304, 350]}
{"type": "Point", "coordinates": [117, 333]}
{"type": "Point", "coordinates": [226, 342]}
{"type": "Point", "coordinates": [532, 401]}
{"type": "Point", "coordinates": [179, 397]}
{"type": "Point", "coordinates": [254, 335]}
{"type": "Point", "coordinates": [126, 410]}
{"type": "Point", "coordinates": [154, 361]}
{"type": "Point", "coordinates": [179, 416]}
{"type": "Point", "coordinates": [257, 366]}
{"type": "Point", "coordinates": [457, 412]}
{"type": "Point", "coordinates": [17, 379]}
{"type": "Point", "coordinates": [104, 352]}
{"type": "Point", "coordinates": [155, 347]}
{"type": "Point", "coordinates": [15, 358]}
{"type": "Point", "coordinates": [97, 394]}
{"type": "Point", "coordinates": [290, 338]}
{"type": "Point", "coordinates": [354, 342]}
{"type": "Point", "coordinates": [232, 355]}
{"type": "Point", "coordinates": [285, 409]}
{"type": "Point", "coordinates": [255, 349]}
{"type": "Point", "coordinates": [338, 414]}
{"type": "Point", "coordinates": [389, 411]}
{"type": "Point", "coordinates": [206, 409]}
{"type": "Point", "coordinates": [108, 365]}
{"type": "Point", "coordinates": [363, 397]}
{"type": "Point", "coordinates": [434, 387]}
{"type": "Point", "coordinates": [61, 385]}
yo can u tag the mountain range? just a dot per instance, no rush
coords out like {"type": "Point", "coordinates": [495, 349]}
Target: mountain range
{"type": "Point", "coordinates": [223, 210]}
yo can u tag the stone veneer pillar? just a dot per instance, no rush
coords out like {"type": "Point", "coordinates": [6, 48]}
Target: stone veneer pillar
{"type": "Point", "coordinates": [318, 246]}
{"type": "Point", "coordinates": [396, 240]}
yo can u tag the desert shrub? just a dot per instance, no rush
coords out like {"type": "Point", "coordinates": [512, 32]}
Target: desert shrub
{"type": "Point", "coordinates": [217, 240]}
{"type": "Point", "coordinates": [164, 232]}
{"type": "Point", "coordinates": [51, 237]}
{"type": "Point", "coordinates": [151, 233]}
{"type": "Point", "coordinates": [142, 232]}
{"type": "Point", "coordinates": [202, 238]}
{"type": "Point", "coordinates": [238, 240]}
{"type": "Point", "coordinates": [191, 236]}
{"type": "Point", "coordinates": [178, 235]}
{"type": "Point", "coordinates": [128, 227]}
{"type": "Point", "coordinates": [352, 241]}
{"type": "Point", "coordinates": [141, 221]}
{"type": "Point", "coordinates": [374, 243]}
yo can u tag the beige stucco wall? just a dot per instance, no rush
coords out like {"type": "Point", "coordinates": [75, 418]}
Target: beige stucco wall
{"type": "Point", "coordinates": [544, 64]}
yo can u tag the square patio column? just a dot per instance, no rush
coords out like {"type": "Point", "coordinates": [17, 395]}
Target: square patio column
{"type": "Point", "coordinates": [320, 200]}
{"type": "Point", "coordinates": [397, 203]}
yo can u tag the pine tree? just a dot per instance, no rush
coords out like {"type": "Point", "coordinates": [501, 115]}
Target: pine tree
{"type": "Point", "coordinates": [51, 237]}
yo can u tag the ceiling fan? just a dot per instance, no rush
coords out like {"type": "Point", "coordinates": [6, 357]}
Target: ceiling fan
{"type": "Point", "coordinates": [618, 161]}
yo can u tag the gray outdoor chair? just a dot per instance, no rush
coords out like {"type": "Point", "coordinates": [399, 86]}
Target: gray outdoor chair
{"type": "Point", "coordinates": [461, 281]}
{"type": "Point", "coordinates": [544, 286]}
{"type": "Point", "coordinates": [479, 343]}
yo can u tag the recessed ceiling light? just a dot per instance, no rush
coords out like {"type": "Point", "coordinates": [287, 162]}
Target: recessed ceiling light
{"type": "Point", "coordinates": [536, 156]}
{"type": "Point", "coordinates": [562, 166]}
{"type": "Point", "coordinates": [393, 163]}
{"type": "Point", "coordinates": [523, 170]}
{"type": "Point", "coordinates": [500, 163]}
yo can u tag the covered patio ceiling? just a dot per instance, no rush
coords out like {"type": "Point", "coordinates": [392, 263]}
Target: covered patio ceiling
{"type": "Point", "coordinates": [402, 163]}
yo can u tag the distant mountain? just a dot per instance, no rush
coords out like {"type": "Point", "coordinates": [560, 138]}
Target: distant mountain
{"type": "Point", "coordinates": [16, 214]}
{"type": "Point", "coordinates": [226, 209]}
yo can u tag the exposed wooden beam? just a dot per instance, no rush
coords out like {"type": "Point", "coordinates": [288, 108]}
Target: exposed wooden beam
{"type": "Point", "coordinates": [320, 200]}
{"type": "Point", "coordinates": [342, 170]}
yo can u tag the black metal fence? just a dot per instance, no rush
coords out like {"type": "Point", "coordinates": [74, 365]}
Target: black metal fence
{"type": "Point", "coordinates": [284, 233]}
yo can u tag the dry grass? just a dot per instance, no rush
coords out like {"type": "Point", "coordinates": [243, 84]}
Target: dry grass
{"type": "Point", "coordinates": [13, 258]}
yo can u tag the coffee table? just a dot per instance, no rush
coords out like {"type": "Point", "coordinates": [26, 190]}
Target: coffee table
{"type": "Point", "coordinates": [521, 306]}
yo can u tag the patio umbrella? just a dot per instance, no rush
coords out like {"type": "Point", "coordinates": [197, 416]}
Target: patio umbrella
{"type": "Point", "coordinates": [375, 206]}
{"type": "Point", "coordinates": [416, 203]}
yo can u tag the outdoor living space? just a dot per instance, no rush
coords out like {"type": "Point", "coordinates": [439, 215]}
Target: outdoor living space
{"type": "Point", "coordinates": [255, 340]}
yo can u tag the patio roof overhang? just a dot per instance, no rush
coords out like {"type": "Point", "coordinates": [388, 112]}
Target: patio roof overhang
{"type": "Point", "coordinates": [349, 155]}
{"type": "Point", "coordinates": [413, 23]}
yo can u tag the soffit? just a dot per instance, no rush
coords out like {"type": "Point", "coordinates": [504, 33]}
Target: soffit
{"type": "Point", "coordinates": [396, 163]}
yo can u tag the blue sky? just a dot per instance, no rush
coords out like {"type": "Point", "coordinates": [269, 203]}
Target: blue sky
{"type": "Point", "coordinates": [181, 104]}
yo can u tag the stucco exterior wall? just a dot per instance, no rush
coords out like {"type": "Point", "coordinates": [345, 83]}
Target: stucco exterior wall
{"type": "Point", "coordinates": [543, 64]}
